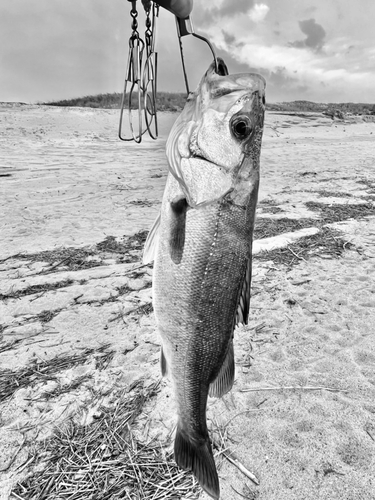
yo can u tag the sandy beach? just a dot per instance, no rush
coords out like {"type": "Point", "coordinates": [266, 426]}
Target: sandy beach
{"type": "Point", "coordinates": [77, 335]}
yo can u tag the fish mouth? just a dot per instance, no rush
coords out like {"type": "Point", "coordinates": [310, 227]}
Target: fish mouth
{"type": "Point", "coordinates": [219, 166]}
{"type": "Point", "coordinates": [200, 157]}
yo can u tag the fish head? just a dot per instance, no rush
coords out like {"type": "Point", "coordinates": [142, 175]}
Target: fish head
{"type": "Point", "coordinates": [218, 131]}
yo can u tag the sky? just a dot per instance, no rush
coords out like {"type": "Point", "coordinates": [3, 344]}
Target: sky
{"type": "Point", "coordinates": [316, 50]}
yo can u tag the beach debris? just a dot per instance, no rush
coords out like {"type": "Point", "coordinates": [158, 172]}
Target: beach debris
{"type": "Point", "coordinates": [43, 370]}
{"type": "Point", "coordinates": [325, 242]}
{"type": "Point", "coordinates": [292, 388]}
{"type": "Point", "coordinates": [233, 459]}
{"type": "Point", "coordinates": [107, 458]}
{"type": "Point", "coordinates": [282, 240]}
{"type": "Point", "coordinates": [202, 243]}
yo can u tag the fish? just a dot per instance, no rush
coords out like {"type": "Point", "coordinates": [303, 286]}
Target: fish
{"type": "Point", "coordinates": [201, 244]}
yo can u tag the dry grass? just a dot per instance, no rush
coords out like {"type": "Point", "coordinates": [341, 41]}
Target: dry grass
{"type": "Point", "coordinates": [70, 258]}
{"type": "Point", "coordinates": [370, 183]}
{"type": "Point", "coordinates": [266, 227]}
{"type": "Point", "coordinates": [341, 212]}
{"type": "Point", "coordinates": [323, 193]}
{"type": "Point", "coordinates": [142, 203]}
{"type": "Point", "coordinates": [343, 107]}
{"type": "Point", "coordinates": [46, 316]}
{"type": "Point", "coordinates": [327, 242]}
{"type": "Point", "coordinates": [30, 290]}
{"type": "Point", "coordinates": [74, 259]}
{"type": "Point", "coordinates": [106, 460]}
{"type": "Point", "coordinates": [269, 206]}
{"type": "Point", "coordinates": [140, 311]}
{"type": "Point", "coordinates": [165, 101]}
{"type": "Point", "coordinates": [111, 245]}
{"type": "Point", "coordinates": [7, 346]}
{"type": "Point", "coordinates": [40, 370]}
{"type": "Point", "coordinates": [64, 388]}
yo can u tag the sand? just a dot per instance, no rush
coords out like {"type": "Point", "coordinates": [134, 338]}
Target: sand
{"type": "Point", "coordinates": [67, 182]}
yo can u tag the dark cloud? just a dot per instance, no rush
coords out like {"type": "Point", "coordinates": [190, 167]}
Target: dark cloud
{"type": "Point", "coordinates": [281, 86]}
{"type": "Point", "coordinates": [228, 38]}
{"type": "Point", "coordinates": [315, 35]}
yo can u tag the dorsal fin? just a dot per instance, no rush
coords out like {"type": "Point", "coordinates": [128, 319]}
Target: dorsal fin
{"type": "Point", "coordinates": [225, 378]}
{"type": "Point", "coordinates": [151, 242]}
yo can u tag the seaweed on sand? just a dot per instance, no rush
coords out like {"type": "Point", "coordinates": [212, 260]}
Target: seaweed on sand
{"type": "Point", "coordinates": [340, 212]}
{"type": "Point", "coordinates": [327, 242]}
{"type": "Point", "coordinates": [71, 258]}
{"type": "Point", "coordinates": [30, 290]}
{"type": "Point", "coordinates": [266, 227]}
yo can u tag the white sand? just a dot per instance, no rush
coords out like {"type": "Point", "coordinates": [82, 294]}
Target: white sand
{"type": "Point", "coordinates": [72, 183]}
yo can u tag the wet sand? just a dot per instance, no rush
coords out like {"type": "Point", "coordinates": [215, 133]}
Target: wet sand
{"type": "Point", "coordinates": [67, 182]}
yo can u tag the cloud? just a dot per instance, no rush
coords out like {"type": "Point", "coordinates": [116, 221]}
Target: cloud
{"type": "Point", "coordinates": [233, 8]}
{"type": "Point", "coordinates": [298, 72]}
{"type": "Point", "coordinates": [227, 9]}
{"type": "Point", "coordinates": [315, 35]}
{"type": "Point", "coordinates": [228, 38]}
{"type": "Point", "coordinates": [258, 12]}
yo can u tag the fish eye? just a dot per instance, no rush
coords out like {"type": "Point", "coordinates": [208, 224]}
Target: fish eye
{"type": "Point", "coordinates": [241, 127]}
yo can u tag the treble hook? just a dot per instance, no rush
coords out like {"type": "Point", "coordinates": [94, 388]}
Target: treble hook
{"type": "Point", "coordinates": [185, 27]}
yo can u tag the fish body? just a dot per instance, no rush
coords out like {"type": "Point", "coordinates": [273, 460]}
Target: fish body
{"type": "Point", "coordinates": [202, 268]}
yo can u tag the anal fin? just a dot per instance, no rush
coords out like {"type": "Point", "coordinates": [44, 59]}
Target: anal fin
{"type": "Point", "coordinates": [196, 455]}
{"type": "Point", "coordinates": [223, 383]}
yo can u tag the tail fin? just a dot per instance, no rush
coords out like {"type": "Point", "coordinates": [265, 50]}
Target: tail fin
{"type": "Point", "coordinates": [197, 457]}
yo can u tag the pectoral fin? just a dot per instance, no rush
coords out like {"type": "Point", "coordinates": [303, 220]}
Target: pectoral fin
{"type": "Point", "coordinates": [225, 379]}
{"type": "Point", "coordinates": [179, 208]}
{"type": "Point", "coordinates": [151, 242]}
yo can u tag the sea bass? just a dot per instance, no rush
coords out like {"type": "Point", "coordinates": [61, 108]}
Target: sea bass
{"type": "Point", "coordinates": [201, 244]}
